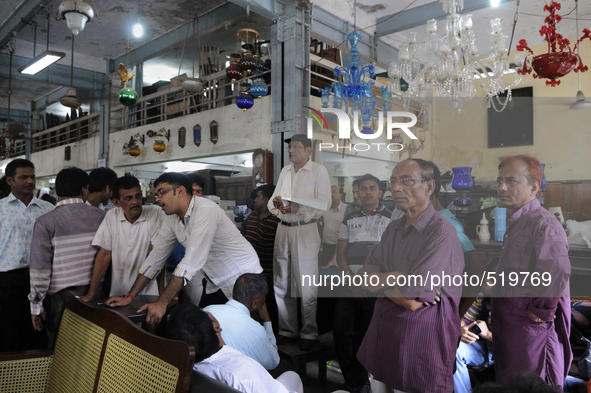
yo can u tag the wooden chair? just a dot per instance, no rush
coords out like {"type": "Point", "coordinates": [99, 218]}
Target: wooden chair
{"type": "Point", "coordinates": [99, 350]}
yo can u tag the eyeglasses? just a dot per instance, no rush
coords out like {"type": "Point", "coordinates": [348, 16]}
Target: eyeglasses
{"type": "Point", "coordinates": [163, 191]}
{"type": "Point", "coordinates": [405, 181]}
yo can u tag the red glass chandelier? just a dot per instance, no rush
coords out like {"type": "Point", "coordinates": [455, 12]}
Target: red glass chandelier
{"type": "Point", "coordinates": [560, 59]}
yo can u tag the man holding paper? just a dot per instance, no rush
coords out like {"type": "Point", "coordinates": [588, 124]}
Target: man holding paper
{"type": "Point", "coordinates": [301, 197]}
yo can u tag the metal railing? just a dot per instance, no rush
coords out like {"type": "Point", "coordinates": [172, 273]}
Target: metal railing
{"type": "Point", "coordinates": [168, 103]}
{"type": "Point", "coordinates": [73, 131]}
{"type": "Point", "coordinates": [174, 101]}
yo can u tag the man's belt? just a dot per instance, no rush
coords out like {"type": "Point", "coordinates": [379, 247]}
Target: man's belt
{"type": "Point", "coordinates": [298, 223]}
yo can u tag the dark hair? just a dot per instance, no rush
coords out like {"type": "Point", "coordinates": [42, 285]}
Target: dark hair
{"type": "Point", "coordinates": [534, 168]}
{"type": "Point", "coordinates": [191, 324]}
{"type": "Point", "coordinates": [435, 175]}
{"type": "Point", "coordinates": [100, 178]}
{"type": "Point", "coordinates": [18, 163]}
{"type": "Point", "coordinates": [70, 181]}
{"type": "Point", "coordinates": [367, 177]}
{"type": "Point", "coordinates": [175, 179]}
{"type": "Point", "coordinates": [48, 198]}
{"type": "Point", "coordinates": [196, 179]}
{"type": "Point", "coordinates": [355, 183]}
{"type": "Point", "coordinates": [4, 187]}
{"type": "Point", "coordinates": [249, 286]}
{"type": "Point", "coordinates": [126, 182]}
{"type": "Point", "coordinates": [267, 189]}
{"type": "Point", "coordinates": [429, 171]}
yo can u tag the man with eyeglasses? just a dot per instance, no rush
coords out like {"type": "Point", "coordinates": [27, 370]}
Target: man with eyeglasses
{"type": "Point", "coordinates": [404, 335]}
{"type": "Point", "coordinates": [213, 244]}
{"type": "Point", "coordinates": [297, 241]}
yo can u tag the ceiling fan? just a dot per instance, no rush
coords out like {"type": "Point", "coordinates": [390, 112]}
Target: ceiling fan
{"type": "Point", "coordinates": [581, 102]}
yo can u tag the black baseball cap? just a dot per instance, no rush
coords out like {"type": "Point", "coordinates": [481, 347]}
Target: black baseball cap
{"type": "Point", "coordinates": [300, 138]}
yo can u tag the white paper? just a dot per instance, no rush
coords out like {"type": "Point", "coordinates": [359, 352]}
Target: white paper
{"type": "Point", "coordinates": [313, 203]}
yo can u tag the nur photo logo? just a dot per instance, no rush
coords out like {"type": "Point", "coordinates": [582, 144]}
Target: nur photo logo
{"type": "Point", "coordinates": [344, 128]}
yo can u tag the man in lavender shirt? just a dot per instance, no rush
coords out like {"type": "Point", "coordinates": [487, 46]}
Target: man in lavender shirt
{"type": "Point", "coordinates": [410, 347]}
{"type": "Point", "coordinates": [531, 319]}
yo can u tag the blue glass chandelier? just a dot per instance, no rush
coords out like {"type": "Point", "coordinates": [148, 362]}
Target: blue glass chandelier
{"type": "Point", "coordinates": [356, 90]}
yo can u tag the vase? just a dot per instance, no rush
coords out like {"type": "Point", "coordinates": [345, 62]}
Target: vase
{"type": "Point", "coordinates": [554, 65]}
{"type": "Point", "coordinates": [462, 179]}
{"type": "Point", "coordinates": [543, 177]}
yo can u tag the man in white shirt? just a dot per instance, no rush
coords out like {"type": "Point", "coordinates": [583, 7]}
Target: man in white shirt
{"type": "Point", "coordinates": [240, 331]}
{"type": "Point", "coordinates": [213, 244]}
{"type": "Point", "coordinates": [301, 197]}
{"type": "Point", "coordinates": [221, 362]}
{"type": "Point", "coordinates": [124, 238]}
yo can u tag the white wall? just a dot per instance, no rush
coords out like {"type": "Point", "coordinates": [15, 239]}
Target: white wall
{"type": "Point", "coordinates": [84, 155]}
{"type": "Point", "coordinates": [238, 131]}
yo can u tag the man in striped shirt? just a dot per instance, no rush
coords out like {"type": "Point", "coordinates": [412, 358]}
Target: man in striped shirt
{"type": "Point", "coordinates": [410, 347]}
{"type": "Point", "coordinates": [61, 252]}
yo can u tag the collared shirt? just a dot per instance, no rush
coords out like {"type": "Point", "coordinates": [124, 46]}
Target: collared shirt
{"type": "Point", "coordinates": [332, 223]}
{"type": "Point", "coordinates": [363, 232]}
{"type": "Point", "coordinates": [61, 251]}
{"type": "Point", "coordinates": [246, 335]}
{"type": "Point", "coordinates": [16, 230]}
{"type": "Point", "coordinates": [239, 371]}
{"type": "Point", "coordinates": [261, 235]}
{"type": "Point", "coordinates": [212, 243]}
{"type": "Point", "coordinates": [399, 343]}
{"type": "Point", "coordinates": [310, 184]}
{"type": "Point", "coordinates": [535, 243]}
{"type": "Point", "coordinates": [129, 245]}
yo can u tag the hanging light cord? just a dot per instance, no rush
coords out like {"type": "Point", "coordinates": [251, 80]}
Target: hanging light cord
{"type": "Point", "coordinates": [183, 51]}
{"type": "Point", "coordinates": [72, 64]}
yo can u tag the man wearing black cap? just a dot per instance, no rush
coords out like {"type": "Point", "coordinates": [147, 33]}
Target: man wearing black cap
{"type": "Point", "coordinates": [301, 197]}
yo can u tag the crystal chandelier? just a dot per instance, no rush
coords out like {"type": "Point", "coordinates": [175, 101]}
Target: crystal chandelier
{"type": "Point", "coordinates": [356, 90]}
{"type": "Point", "coordinates": [448, 67]}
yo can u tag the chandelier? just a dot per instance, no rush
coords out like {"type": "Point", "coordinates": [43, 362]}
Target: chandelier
{"type": "Point", "coordinates": [448, 67]}
{"type": "Point", "coordinates": [557, 62]}
{"type": "Point", "coordinates": [356, 90]}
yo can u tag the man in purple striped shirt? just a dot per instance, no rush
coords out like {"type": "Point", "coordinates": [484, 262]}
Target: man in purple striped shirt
{"type": "Point", "coordinates": [61, 252]}
{"type": "Point", "coordinates": [410, 347]}
{"type": "Point", "coordinates": [531, 319]}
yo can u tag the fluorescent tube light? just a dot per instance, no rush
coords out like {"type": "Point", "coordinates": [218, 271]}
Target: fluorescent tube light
{"type": "Point", "coordinates": [40, 62]}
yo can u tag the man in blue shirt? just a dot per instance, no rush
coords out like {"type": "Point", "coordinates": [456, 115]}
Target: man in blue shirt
{"type": "Point", "coordinates": [18, 213]}
{"type": "Point", "coordinates": [239, 330]}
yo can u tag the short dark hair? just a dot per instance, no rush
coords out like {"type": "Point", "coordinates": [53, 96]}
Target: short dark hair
{"type": "Point", "coordinates": [518, 381]}
{"type": "Point", "coordinates": [436, 176]}
{"type": "Point", "coordinates": [196, 179]}
{"type": "Point", "coordinates": [4, 187]}
{"type": "Point", "coordinates": [369, 176]}
{"type": "Point", "coordinates": [100, 178]}
{"type": "Point", "coordinates": [70, 181]}
{"type": "Point", "coordinates": [429, 171]}
{"type": "Point", "coordinates": [18, 163]}
{"type": "Point", "coordinates": [126, 182]}
{"type": "Point", "coordinates": [355, 183]}
{"type": "Point", "coordinates": [249, 286]}
{"type": "Point", "coordinates": [191, 324]}
{"type": "Point", "coordinates": [175, 179]}
{"type": "Point", "coordinates": [267, 189]}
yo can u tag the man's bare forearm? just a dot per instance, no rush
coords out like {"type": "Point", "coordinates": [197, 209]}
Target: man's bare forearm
{"type": "Point", "coordinates": [173, 287]}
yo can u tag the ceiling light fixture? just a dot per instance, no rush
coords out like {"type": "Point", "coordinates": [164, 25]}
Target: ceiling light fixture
{"type": "Point", "coordinates": [495, 3]}
{"type": "Point", "coordinates": [41, 62]}
{"type": "Point", "coordinates": [77, 13]}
